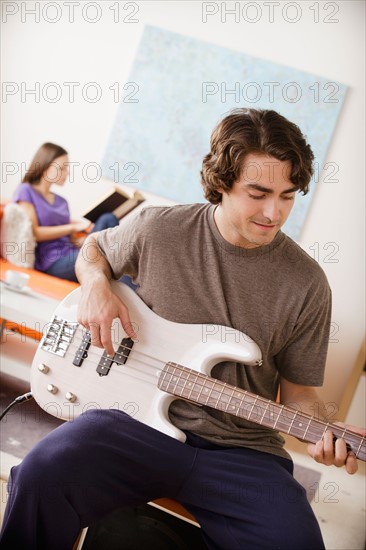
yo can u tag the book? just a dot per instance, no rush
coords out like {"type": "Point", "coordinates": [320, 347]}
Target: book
{"type": "Point", "coordinates": [115, 201]}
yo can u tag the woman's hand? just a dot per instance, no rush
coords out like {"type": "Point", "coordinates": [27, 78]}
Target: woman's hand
{"type": "Point", "coordinates": [81, 225]}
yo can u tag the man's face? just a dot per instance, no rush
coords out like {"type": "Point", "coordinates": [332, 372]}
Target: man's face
{"type": "Point", "coordinates": [258, 204]}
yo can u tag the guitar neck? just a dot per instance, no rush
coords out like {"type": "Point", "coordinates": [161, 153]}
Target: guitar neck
{"type": "Point", "coordinates": [204, 390]}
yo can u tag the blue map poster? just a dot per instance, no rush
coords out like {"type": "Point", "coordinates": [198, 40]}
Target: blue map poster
{"type": "Point", "coordinates": [180, 87]}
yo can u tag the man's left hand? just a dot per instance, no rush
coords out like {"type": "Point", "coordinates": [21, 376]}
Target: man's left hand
{"type": "Point", "coordinates": [336, 453]}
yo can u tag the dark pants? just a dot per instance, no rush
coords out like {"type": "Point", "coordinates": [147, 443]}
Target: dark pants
{"type": "Point", "coordinates": [64, 267]}
{"type": "Point", "coordinates": [104, 460]}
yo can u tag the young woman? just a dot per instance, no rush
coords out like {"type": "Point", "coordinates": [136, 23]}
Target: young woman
{"type": "Point", "coordinates": [54, 231]}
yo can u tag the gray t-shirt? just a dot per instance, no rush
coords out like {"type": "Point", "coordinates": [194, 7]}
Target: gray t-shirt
{"type": "Point", "coordinates": [277, 294]}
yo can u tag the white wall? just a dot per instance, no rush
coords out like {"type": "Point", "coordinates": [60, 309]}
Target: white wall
{"type": "Point", "coordinates": [328, 42]}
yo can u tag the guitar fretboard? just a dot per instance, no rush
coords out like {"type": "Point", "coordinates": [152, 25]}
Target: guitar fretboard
{"type": "Point", "coordinates": [200, 388]}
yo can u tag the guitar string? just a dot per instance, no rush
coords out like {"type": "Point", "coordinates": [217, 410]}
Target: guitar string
{"type": "Point", "coordinates": [93, 350]}
{"type": "Point", "coordinates": [256, 401]}
{"type": "Point", "coordinates": [255, 398]}
{"type": "Point", "coordinates": [97, 362]}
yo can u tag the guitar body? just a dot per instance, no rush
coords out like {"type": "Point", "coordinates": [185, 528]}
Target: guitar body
{"type": "Point", "coordinates": [130, 383]}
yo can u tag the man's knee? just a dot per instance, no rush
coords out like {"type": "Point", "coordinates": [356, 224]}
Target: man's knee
{"type": "Point", "coordinates": [66, 445]}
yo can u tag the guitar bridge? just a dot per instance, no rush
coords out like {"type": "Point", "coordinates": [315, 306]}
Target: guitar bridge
{"type": "Point", "coordinates": [59, 336]}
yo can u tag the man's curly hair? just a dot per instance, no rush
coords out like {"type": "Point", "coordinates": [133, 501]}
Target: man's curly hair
{"type": "Point", "coordinates": [262, 132]}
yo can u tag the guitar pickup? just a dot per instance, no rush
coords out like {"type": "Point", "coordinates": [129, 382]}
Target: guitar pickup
{"type": "Point", "coordinates": [82, 351]}
{"type": "Point", "coordinates": [104, 365]}
{"type": "Point", "coordinates": [123, 351]}
{"type": "Point", "coordinates": [120, 357]}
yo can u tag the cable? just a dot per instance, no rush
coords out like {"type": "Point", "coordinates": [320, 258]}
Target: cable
{"type": "Point", "coordinates": [20, 399]}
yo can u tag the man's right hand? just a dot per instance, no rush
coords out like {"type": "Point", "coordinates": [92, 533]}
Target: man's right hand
{"type": "Point", "coordinates": [98, 308]}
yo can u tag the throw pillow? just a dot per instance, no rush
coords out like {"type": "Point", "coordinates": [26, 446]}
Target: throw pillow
{"type": "Point", "coordinates": [17, 240]}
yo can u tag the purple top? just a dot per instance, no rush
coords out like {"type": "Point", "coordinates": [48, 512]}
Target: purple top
{"type": "Point", "coordinates": [47, 252]}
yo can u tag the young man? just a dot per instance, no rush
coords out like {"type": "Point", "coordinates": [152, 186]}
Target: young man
{"type": "Point", "coordinates": [225, 263]}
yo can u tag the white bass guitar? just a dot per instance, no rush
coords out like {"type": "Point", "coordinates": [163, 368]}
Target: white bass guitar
{"type": "Point", "coordinates": [168, 360]}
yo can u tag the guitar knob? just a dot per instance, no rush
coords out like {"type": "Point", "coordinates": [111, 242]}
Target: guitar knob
{"type": "Point", "coordinates": [52, 389]}
{"type": "Point", "coordinates": [43, 368]}
{"type": "Point", "coordinates": [70, 397]}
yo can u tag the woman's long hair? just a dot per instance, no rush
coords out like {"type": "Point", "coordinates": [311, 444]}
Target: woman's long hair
{"type": "Point", "coordinates": [42, 160]}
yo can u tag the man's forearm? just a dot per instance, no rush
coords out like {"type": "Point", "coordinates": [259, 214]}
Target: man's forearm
{"type": "Point", "coordinates": [91, 263]}
{"type": "Point", "coordinates": [308, 402]}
